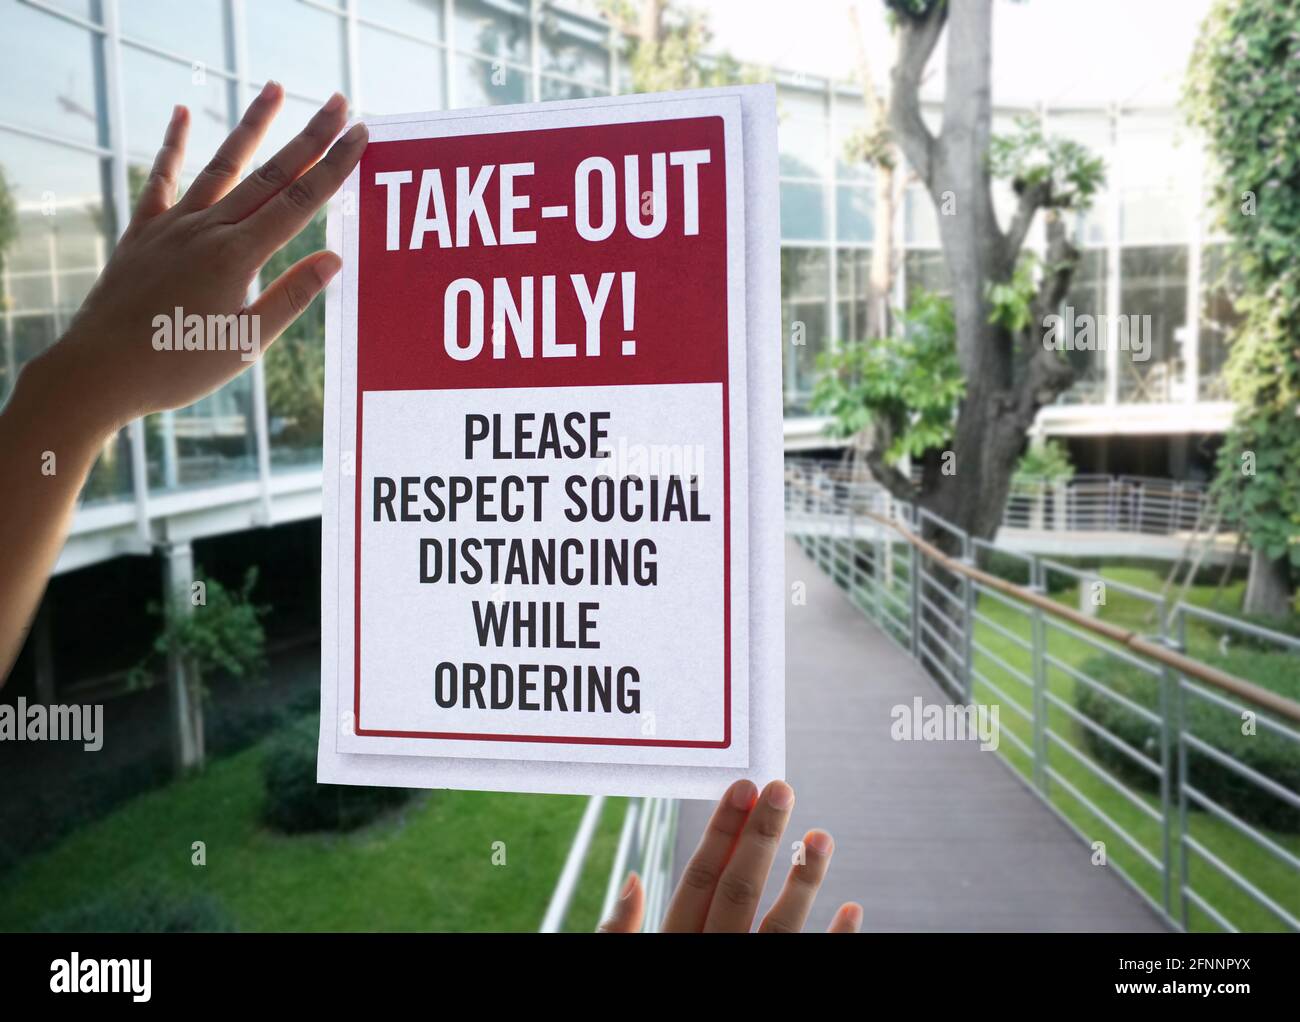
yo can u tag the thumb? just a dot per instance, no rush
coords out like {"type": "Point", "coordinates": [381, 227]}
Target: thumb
{"type": "Point", "coordinates": [628, 910]}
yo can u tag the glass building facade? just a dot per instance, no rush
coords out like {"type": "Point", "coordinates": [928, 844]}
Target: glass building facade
{"type": "Point", "coordinates": [89, 85]}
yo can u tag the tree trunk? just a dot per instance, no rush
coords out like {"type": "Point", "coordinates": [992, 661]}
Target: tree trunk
{"type": "Point", "coordinates": [880, 284]}
{"type": "Point", "coordinates": [1008, 378]}
{"type": "Point", "coordinates": [1268, 587]}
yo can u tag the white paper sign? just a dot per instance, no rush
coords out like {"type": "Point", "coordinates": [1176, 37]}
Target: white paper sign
{"type": "Point", "coordinates": [551, 533]}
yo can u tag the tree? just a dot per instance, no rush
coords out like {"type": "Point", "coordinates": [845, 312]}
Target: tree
{"type": "Point", "coordinates": [874, 145]}
{"type": "Point", "coordinates": [1000, 296]}
{"type": "Point", "coordinates": [902, 387]}
{"type": "Point", "coordinates": [1243, 91]}
{"type": "Point", "coordinates": [666, 47]}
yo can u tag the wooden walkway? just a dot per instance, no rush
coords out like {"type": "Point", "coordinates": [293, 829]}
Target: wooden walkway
{"type": "Point", "coordinates": [928, 835]}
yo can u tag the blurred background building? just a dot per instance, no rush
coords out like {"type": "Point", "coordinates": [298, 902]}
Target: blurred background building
{"type": "Point", "coordinates": [89, 89]}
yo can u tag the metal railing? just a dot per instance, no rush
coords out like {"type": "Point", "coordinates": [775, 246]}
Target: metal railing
{"type": "Point", "coordinates": [645, 845]}
{"type": "Point", "coordinates": [1181, 774]}
{"type": "Point", "coordinates": [1100, 503]}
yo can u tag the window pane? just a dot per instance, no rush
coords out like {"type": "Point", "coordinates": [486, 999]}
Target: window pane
{"type": "Point", "coordinates": [299, 46]}
{"type": "Point", "coordinates": [553, 89]}
{"type": "Point", "coordinates": [1087, 297]}
{"type": "Point", "coordinates": [295, 367]}
{"type": "Point", "coordinates": [480, 83]}
{"type": "Point", "coordinates": [419, 17]}
{"type": "Point", "coordinates": [493, 32]}
{"type": "Point", "coordinates": [152, 85]}
{"type": "Point", "coordinates": [1219, 317]}
{"type": "Point", "coordinates": [805, 285]}
{"type": "Point", "coordinates": [803, 133]}
{"type": "Point", "coordinates": [196, 29]}
{"type": "Point", "coordinates": [51, 70]}
{"type": "Point", "coordinates": [854, 213]}
{"type": "Point", "coordinates": [48, 260]}
{"type": "Point", "coordinates": [803, 212]}
{"type": "Point", "coordinates": [575, 49]}
{"type": "Point", "coordinates": [1153, 283]}
{"type": "Point", "coordinates": [1156, 176]}
{"type": "Point", "coordinates": [853, 277]}
{"type": "Point", "coordinates": [212, 441]}
{"type": "Point", "coordinates": [398, 75]}
{"type": "Point", "coordinates": [850, 123]}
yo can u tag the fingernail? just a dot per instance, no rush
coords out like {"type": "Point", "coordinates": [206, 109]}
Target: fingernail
{"type": "Point", "coordinates": [820, 842]}
{"type": "Point", "coordinates": [855, 916]}
{"type": "Point", "coordinates": [270, 86]}
{"type": "Point", "coordinates": [742, 794]}
{"type": "Point", "coordinates": [628, 885]}
{"type": "Point", "coordinates": [355, 133]}
{"type": "Point", "coordinates": [335, 103]}
{"type": "Point", "coordinates": [326, 267]}
{"type": "Point", "coordinates": [176, 111]}
{"type": "Point", "coordinates": [780, 795]}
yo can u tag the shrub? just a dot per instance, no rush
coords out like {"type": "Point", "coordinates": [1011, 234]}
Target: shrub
{"type": "Point", "coordinates": [295, 803]}
{"type": "Point", "coordinates": [1265, 751]}
{"type": "Point", "coordinates": [142, 910]}
{"type": "Point", "coordinates": [1006, 566]}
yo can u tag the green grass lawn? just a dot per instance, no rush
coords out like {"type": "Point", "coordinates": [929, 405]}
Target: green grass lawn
{"type": "Point", "coordinates": [426, 866]}
{"type": "Point", "coordinates": [1070, 758]}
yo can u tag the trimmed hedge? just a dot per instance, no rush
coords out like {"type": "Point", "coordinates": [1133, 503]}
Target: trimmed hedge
{"type": "Point", "coordinates": [142, 911]}
{"type": "Point", "coordinates": [1265, 751]}
{"type": "Point", "coordinates": [295, 803]}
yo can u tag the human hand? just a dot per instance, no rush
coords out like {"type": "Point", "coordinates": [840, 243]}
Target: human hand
{"type": "Point", "coordinates": [721, 885]}
{"type": "Point", "coordinates": [200, 255]}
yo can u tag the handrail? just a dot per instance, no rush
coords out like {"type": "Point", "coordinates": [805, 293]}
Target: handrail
{"type": "Point", "coordinates": [1185, 665]}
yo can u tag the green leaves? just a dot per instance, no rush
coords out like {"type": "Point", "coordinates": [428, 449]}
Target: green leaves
{"type": "Point", "coordinates": [1029, 159]}
{"type": "Point", "coordinates": [1049, 461]}
{"type": "Point", "coordinates": [222, 634]}
{"type": "Point", "coordinates": [908, 385]}
{"type": "Point", "coordinates": [1011, 302]}
{"type": "Point", "coordinates": [1243, 92]}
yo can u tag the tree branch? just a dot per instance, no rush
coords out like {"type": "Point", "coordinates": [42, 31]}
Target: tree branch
{"type": "Point", "coordinates": [1032, 199]}
{"type": "Point", "coordinates": [917, 38]}
{"type": "Point", "coordinates": [1047, 375]}
{"type": "Point", "coordinates": [871, 444]}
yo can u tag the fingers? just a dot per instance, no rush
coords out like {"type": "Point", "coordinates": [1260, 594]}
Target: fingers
{"type": "Point", "coordinates": [223, 170]}
{"type": "Point", "coordinates": [690, 904]}
{"type": "Point", "coordinates": [159, 190]}
{"type": "Point", "coordinates": [628, 910]}
{"type": "Point", "coordinates": [791, 910]}
{"type": "Point", "coordinates": [290, 294]}
{"type": "Point", "coordinates": [286, 166]}
{"type": "Point", "coordinates": [282, 217]}
{"type": "Point", "coordinates": [741, 884]}
{"type": "Point", "coordinates": [848, 919]}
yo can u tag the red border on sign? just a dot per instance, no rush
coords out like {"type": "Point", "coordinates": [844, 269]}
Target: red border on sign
{"type": "Point", "coordinates": [724, 743]}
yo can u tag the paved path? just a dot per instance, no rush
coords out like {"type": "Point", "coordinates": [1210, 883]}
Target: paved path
{"type": "Point", "coordinates": [929, 835]}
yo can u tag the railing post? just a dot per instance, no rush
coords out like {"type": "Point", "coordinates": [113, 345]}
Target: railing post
{"type": "Point", "coordinates": [1179, 751]}
{"type": "Point", "coordinates": [914, 597]}
{"type": "Point", "coordinates": [968, 620]}
{"type": "Point", "coordinates": [1039, 642]}
{"type": "Point", "coordinates": [1184, 879]}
